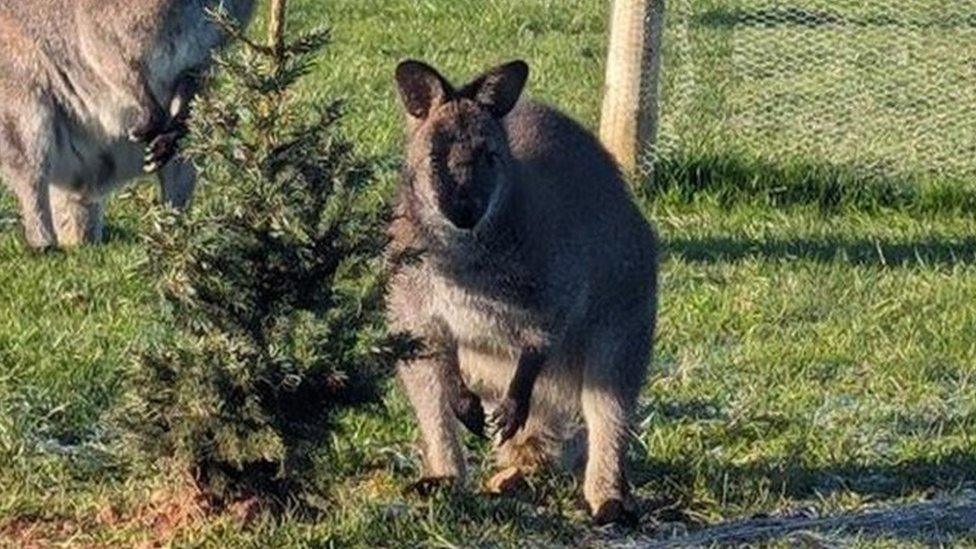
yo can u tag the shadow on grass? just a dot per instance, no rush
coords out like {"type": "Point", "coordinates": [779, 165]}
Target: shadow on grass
{"type": "Point", "coordinates": [793, 480]}
{"type": "Point", "coordinates": [733, 178]}
{"type": "Point", "coordinates": [687, 488]}
{"type": "Point", "coordinates": [120, 234]}
{"type": "Point", "coordinates": [932, 523]}
{"type": "Point", "coordinates": [865, 252]}
{"type": "Point", "coordinates": [880, 480]}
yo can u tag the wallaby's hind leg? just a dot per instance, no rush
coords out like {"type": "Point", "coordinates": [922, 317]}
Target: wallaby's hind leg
{"type": "Point", "coordinates": [427, 388]}
{"type": "Point", "coordinates": [25, 143]}
{"type": "Point", "coordinates": [177, 180]}
{"type": "Point", "coordinates": [604, 485]}
{"type": "Point", "coordinates": [612, 377]}
{"type": "Point", "coordinates": [31, 191]}
{"type": "Point", "coordinates": [77, 219]}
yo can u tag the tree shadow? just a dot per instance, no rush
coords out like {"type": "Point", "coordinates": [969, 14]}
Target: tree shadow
{"type": "Point", "coordinates": [880, 253]}
{"type": "Point", "coordinates": [120, 234]}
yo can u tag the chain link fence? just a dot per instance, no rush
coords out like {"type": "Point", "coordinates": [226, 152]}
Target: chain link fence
{"type": "Point", "coordinates": [760, 90]}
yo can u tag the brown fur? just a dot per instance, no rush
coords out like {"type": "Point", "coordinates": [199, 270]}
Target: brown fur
{"type": "Point", "coordinates": [79, 81]}
{"type": "Point", "coordinates": [531, 244]}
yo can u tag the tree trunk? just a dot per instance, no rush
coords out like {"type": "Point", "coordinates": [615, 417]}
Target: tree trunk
{"type": "Point", "coordinates": [628, 125]}
{"type": "Point", "coordinates": [276, 26]}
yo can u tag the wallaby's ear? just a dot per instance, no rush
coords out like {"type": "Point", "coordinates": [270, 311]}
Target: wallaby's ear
{"type": "Point", "coordinates": [421, 87]}
{"type": "Point", "coordinates": [498, 90]}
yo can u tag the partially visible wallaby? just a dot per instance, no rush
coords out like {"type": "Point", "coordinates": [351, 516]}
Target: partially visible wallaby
{"type": "Point", "coordinates": [535, 280]}
{"type": "Point", "coordinates": [91, 92]}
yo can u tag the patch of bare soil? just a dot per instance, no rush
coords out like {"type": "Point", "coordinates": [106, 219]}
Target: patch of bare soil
{"type": "Point", "coordinates": [167, 513]}
{"type": "Point", "coordinates": [34, 534]}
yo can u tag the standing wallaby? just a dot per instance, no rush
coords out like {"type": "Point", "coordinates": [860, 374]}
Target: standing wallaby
{"type": "Point", "coordinates": [535, 280]}
{"type": "Point", "coordinates": [91, 93]}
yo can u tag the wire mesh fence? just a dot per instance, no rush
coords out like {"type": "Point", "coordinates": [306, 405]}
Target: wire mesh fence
{"type": "Point", "coordinates": [764, 90]}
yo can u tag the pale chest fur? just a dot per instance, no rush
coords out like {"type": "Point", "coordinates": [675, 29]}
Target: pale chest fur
{"type": "Point", "coordinates": [484, 320]}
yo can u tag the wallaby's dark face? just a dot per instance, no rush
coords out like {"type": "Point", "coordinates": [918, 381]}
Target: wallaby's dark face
{"type": "Point", "coordinates": [457, 153]}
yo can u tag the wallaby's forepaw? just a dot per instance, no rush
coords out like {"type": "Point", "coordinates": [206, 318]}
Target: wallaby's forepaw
{"type": "Point", "coordinates": [507, 419]}
{"type": "Point", "coordinates": [162, 148]}
{"type": "Point", "coordinates": [615, 511]}
{"type": "Point", "coordinates": [144, 133]}
{"type": "Point", "coordinates": [159, 151]}
{"type": "Point", "coordinates": [160, 134]}
{"type": "Point", "coordinates": [430, 485]}
{"type": "Point", "coordinates": [148, 123]}
{"type": "Point", "coordinates": [471, 413]}
{"type": "Point", "coordinates": [507, 482]}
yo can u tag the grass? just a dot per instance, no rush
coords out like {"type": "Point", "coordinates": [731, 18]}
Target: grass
{"type": "Point", "coordinates": [815, 349]}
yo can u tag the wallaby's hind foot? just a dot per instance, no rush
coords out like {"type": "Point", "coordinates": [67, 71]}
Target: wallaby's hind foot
{"type": "Point", "coordinates": [428, 486]}
{"type": "Point", "coordinates": [615, 511]}
{"type": "Point", "coordinates": [38, 232]}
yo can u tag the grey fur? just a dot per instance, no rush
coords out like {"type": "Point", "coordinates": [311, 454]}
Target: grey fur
{"type": "Point", "coordinates": [556, 259]}
{"type": "Point", "coordinates": [80, 78]}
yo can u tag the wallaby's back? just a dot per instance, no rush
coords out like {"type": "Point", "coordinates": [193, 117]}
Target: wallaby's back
{"type": "Point", "coordinates": [579, 218]}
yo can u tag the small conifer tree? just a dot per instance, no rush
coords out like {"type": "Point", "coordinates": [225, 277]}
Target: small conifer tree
{"type": "Point", "coordinates": [271, 284]}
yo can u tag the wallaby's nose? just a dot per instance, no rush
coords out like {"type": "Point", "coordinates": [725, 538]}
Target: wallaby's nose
{"type": "Point", "coordinates": [465, 212]}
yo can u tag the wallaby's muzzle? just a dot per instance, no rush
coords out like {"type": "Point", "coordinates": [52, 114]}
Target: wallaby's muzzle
{"type": "Point", "coordinates": [463, 210]}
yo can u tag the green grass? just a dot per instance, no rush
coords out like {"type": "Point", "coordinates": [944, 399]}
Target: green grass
{"type": "Point", "coordinates": [816, 344]}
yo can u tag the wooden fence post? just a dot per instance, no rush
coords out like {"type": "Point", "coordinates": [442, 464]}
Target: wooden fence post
{"type": "Point", "coordinates": [628, 124]}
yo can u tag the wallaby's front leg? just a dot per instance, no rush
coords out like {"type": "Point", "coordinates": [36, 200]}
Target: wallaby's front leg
{"type": "Point", "coordinates": [150, 118]}
{"type": "Point", "coordinates": [163, 130]}
{"type": "Point", "coordinates": [513, 411]}
{"type": "Point", "coordinates": [465, 403]}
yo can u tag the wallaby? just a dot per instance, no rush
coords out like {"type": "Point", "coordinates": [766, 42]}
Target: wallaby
{"type": "Point", "coordinates": [92, 92]}
{"type": "Point", "coordinates": [534, 280]}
